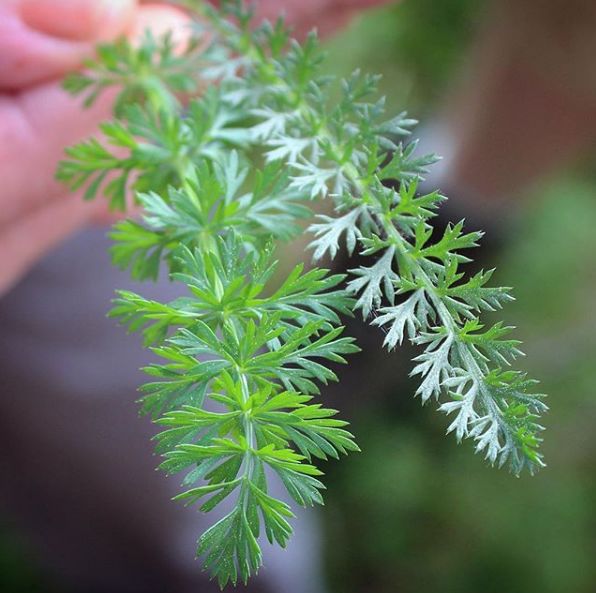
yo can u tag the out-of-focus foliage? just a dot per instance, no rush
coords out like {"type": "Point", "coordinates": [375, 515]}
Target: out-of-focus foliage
{"type": "Point", "coordinates": [416, 45]}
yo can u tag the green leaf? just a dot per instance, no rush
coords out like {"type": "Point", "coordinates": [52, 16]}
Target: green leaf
{"type": "Point", "coordinates": [240, 354]}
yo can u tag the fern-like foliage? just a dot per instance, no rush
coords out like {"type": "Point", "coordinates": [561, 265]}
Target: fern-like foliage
{"type": "Point", "coordinates": [221, 180]}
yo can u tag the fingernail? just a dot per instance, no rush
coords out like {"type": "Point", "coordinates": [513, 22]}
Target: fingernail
{"type": "Point", "coordinates": [78, 20]}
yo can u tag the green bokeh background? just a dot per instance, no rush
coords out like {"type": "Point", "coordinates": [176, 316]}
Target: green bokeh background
{"type": "Point", "coordinates": [414, 512]}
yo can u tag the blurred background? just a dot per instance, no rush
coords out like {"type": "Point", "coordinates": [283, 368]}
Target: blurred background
{"type": "Point", "coordinates": [415, 512]}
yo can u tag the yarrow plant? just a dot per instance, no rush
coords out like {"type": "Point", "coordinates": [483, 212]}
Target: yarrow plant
{"type": "Point", "coordinates": [222, 179]}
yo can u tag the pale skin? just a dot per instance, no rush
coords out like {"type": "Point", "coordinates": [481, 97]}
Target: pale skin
{"type": "Point", "coordinates": [42, 40]}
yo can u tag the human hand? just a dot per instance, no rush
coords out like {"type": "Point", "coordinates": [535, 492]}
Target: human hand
{"type": "Point", "coordinates": [41, 40]}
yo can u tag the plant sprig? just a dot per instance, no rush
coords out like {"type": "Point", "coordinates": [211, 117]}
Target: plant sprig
{"type": "Point", "coordinates": [224, 178]}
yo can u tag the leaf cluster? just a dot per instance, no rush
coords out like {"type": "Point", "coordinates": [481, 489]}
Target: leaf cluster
{"type": "Point", "coordinates": [222, 180]}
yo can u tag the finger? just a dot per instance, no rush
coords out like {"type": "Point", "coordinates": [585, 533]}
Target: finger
{"type": "Point", "coordinates": [161, 19]}
{"type": "Point", "coordinates": [38, 125]}
{"type": "Point", "coordinates": [25, 241]}
{"type": "Point", "coordinates": [42, 39]}
{"type": "Point", "coordinates": [304, 15]}
{"type": "Point", "coordinates": [327, 23]}
{"type": "Point", "coordinates": [33, 134]}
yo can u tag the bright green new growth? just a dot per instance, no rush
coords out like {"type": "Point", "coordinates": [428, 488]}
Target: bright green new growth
{"type": "Point", "coordinates": [220, 181]}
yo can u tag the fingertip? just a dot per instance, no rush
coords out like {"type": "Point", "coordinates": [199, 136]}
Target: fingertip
{"type": "Point", "coordinates": [117, 17]}
{"type": "Point", "coordinates": [78, 20]}
{"type": "Point", "coordinates": [40, 40]}
{"type": "Point", "coordinates": [160, 19]}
